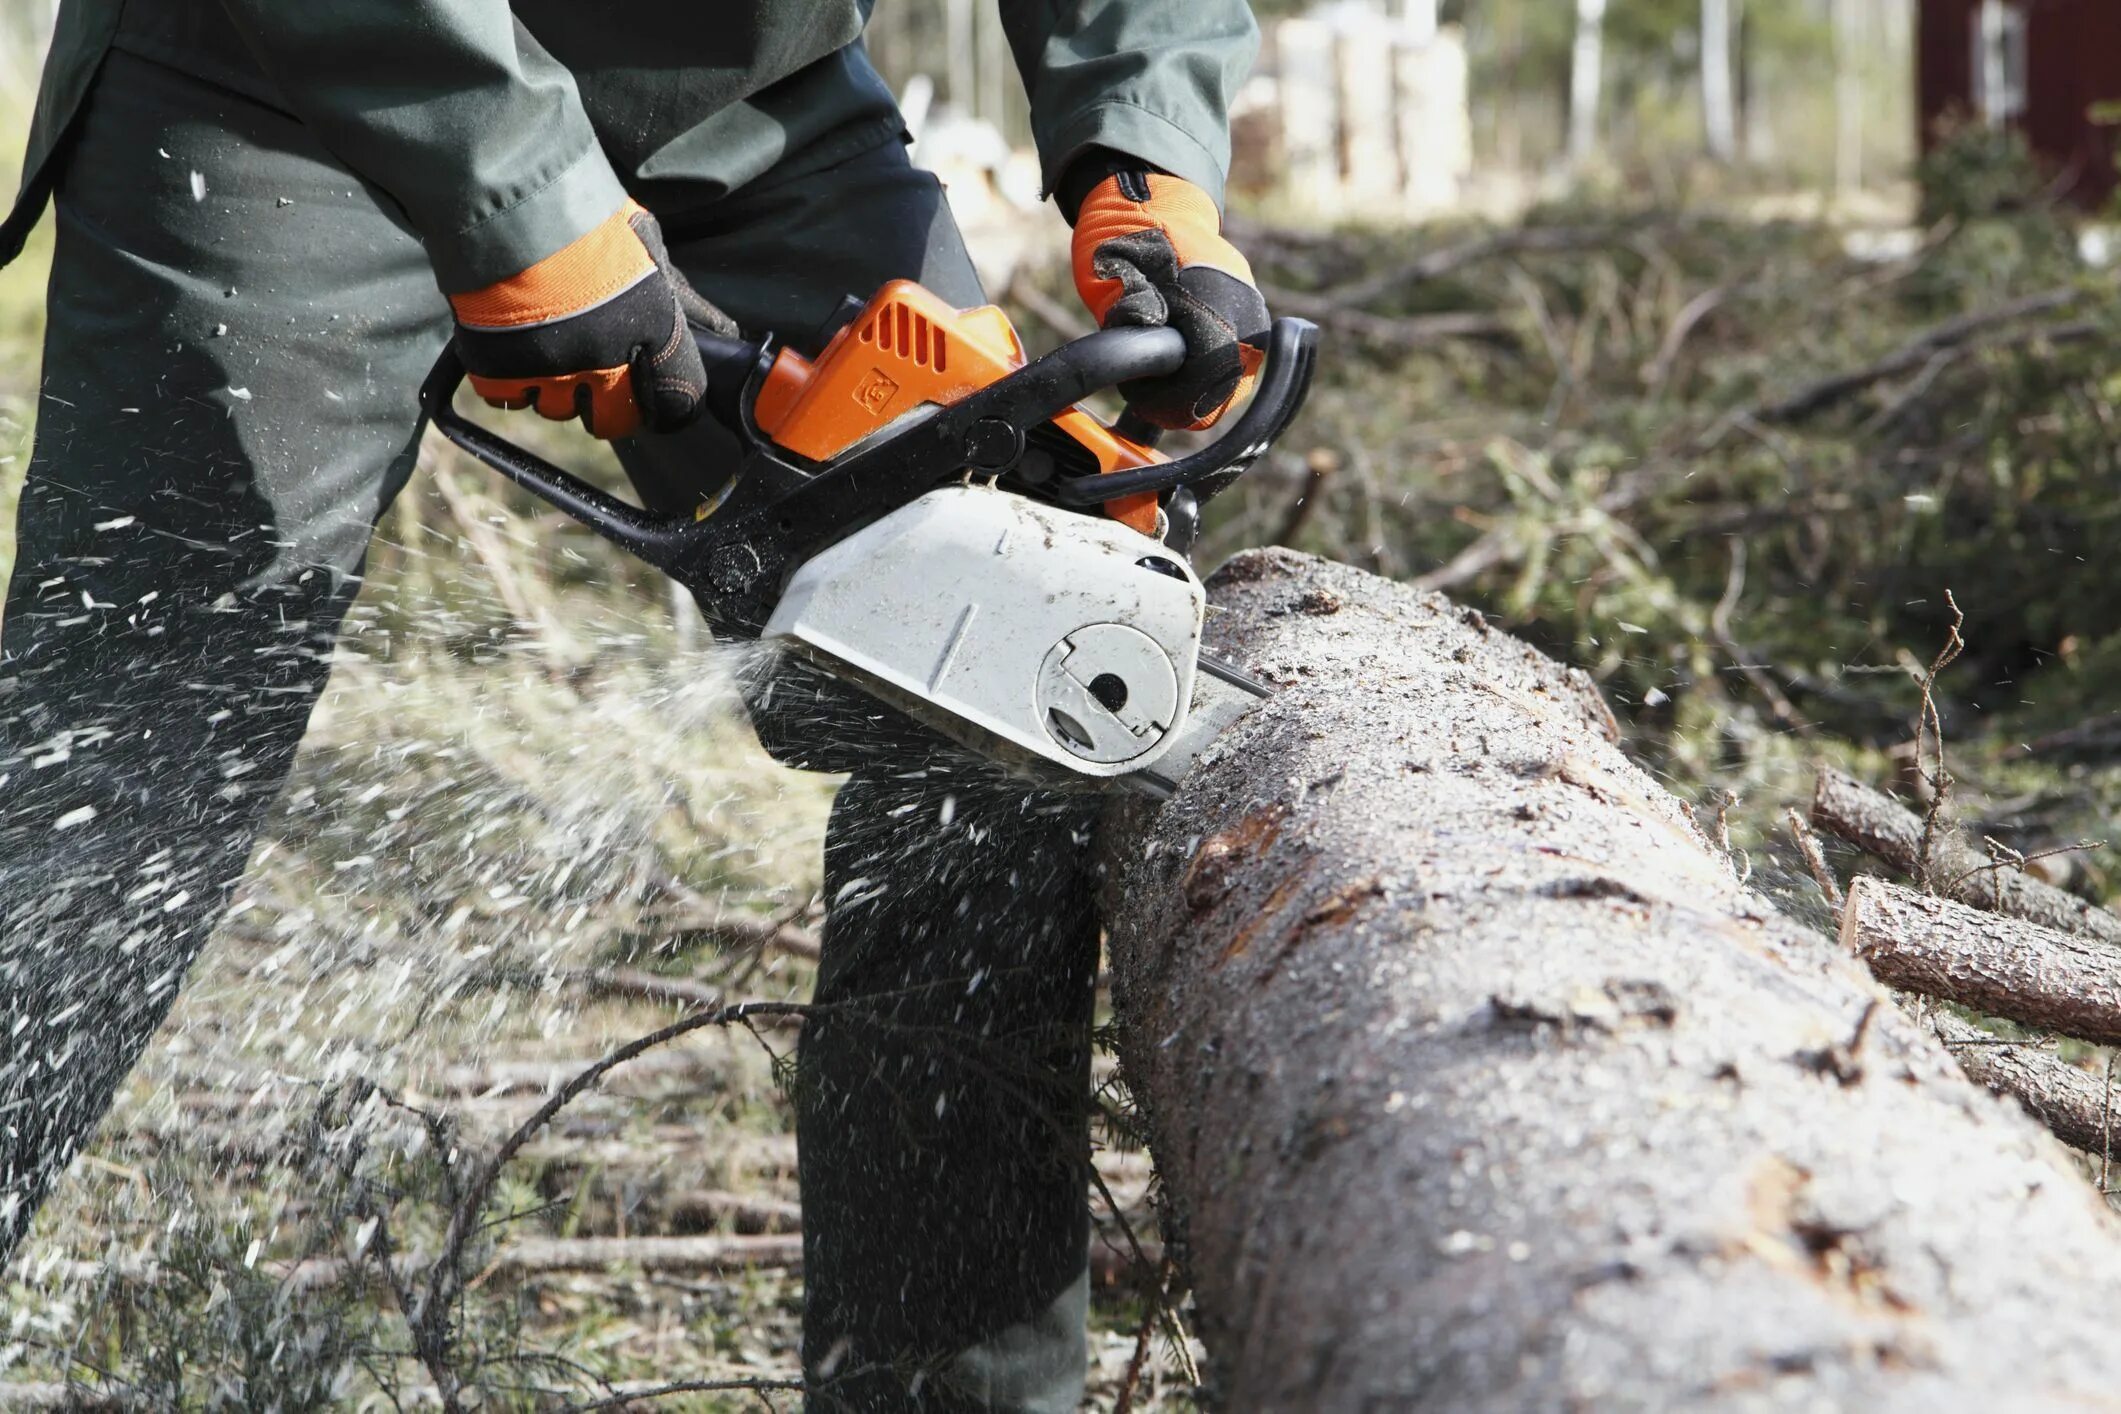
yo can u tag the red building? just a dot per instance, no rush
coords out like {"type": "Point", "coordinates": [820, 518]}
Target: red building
{"type": "Point", "coordinates": [2039, 66]}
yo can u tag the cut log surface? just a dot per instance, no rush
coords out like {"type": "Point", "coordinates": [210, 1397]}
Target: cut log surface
{"type": "Point", "coordinates": [2002, 966]}
{"type": "Point", "coordinates": [2074, 1103]}
{"type": "Point", "coordinates": [1885, 829]}
{"type": "Point", "coordinates": [1477, 1081]}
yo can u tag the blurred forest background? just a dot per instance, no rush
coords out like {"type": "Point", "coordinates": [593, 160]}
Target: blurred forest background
{"type": "Point", "coordinates": [1656, 330]}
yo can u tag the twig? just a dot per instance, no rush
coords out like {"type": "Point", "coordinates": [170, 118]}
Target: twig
{"type": "Point", "coordinates": [1131, 1381]}
{"type": "Point", "coordinates": [1815, 860]}
{"type": "Point", "coordinates": [1658, 371]}
{"type": "Point", "coordinates": [2002, 856]}
{"type": "Point", "coordinates": [494, 555]}
{"type": "Point", "coordinates": [1319, 465]}
{"type": "Point", "coordinates": [1911, 355]}
{"type": "Point", "coordinates": [625, 1398]}
{"type": "Point", "coordinates": [1169, 1317]}
{"type": "Point", "coordinates": [1940, 780]}
{"type": "Point", "coordinates": [1507, 541]}
{"type": "Point", "coordinates": [66, 1396]}
{"type": "Point", "coordinates": [779, 934]}
{"type": "Point", "coordinates": [541, 1256]}
{"type": "Point", "coordinates": [1523, 240]}
{"type": "Point", "coordinates": [1720, 627]}
{"type": "Point", "coordinates": [1401, 331]}
{"type": "Point", "coordinates": [1066, 322]}
{"type": "Point", "coordinates": [446, 1275]}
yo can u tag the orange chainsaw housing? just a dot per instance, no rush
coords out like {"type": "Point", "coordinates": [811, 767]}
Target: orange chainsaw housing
{"type": "Point", "coordinates": [905, 350]}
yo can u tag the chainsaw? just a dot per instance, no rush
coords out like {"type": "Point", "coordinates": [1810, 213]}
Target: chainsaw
{"type": "Point", "coordinates": [931, 516]}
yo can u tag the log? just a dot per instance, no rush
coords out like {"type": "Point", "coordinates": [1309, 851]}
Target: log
{"type": "Point", "coordinates": [669, 1256]}
{"type": "Point", "coordinates": [1477, 1081]}
{"type": "Point", "coordinates": [2071, 1101]}
{"type": "Point", "coordinates": [71, 1398]}
{"type": "Point", "coordinates": [1888, 831]}
{"type": "Point", "coordinates": [1952, 333]}
{"type": "Point", "coordinates": [742, 1212]}
{"type": "Point", "coordinates": [2002, 966]}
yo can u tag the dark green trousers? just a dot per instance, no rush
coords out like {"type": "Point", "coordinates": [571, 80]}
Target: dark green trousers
{"type": "Point", "coordinates": [228, 406]}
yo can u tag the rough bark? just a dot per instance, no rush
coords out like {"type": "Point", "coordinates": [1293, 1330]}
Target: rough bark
{"type": "Point", "coordinates": [1477, 1081]}
{"type": "Point", "coordinates": [2002, 966]}
{"type": "Point", "coordinates": [2075, 1104]}
{"type": "Point", "coordinates": [1883, 828]}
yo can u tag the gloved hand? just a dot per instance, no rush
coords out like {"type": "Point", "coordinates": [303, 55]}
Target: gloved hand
{"type": "Point", "coordinates": [596, 330]}
{"type": "Point", "coordinates": [1149, 250]}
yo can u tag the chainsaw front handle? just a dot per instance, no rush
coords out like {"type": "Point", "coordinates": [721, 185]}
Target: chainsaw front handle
{"type": "Point", "coordinates": [1284, 382]}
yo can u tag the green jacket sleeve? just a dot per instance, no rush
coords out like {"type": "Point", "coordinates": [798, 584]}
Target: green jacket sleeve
{"type": "Point", "coordinates": [451, 108]}
{"type": "Point", "coordinates": [1150, 78]}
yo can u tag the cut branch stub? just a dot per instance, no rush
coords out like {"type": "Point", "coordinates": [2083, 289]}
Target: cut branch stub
{"type": "Point", "coordinates": [2002, 966]}
{"type": "Point", "coordinates": [1881, 827]}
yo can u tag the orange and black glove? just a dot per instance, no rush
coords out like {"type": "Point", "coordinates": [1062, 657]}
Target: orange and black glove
{"type": "Point", "coordinates": [596, 330]}
{"type": "Point", "coordinates": [1149, 250]}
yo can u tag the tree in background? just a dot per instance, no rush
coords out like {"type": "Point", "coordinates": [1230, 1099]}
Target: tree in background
{"type": "Point", "coordinates": [1719, 97]}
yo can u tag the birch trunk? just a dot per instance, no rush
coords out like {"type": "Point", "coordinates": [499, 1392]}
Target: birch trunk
{"type": "Point", "coordinates": [1719, 100]}
{"type": "Point", "coordinates": [1477, 1081]}
{"type": "Point", "coordinates": [1848, 97]}
{"type": "Point", "coordinates": [1586, 76]}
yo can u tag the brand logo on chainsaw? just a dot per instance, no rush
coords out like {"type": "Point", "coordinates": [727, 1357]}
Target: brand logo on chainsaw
{"type": "Point", "coordinates": [875, 391]}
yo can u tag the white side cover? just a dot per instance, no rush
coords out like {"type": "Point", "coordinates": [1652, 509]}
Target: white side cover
{"type": "Point", "coordinates": [993, 608]}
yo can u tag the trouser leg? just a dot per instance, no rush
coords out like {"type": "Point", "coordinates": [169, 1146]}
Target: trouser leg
{"type": "Point", "coordinates": [942, 1101]}
{"type": "Point", "coordinates": [940, 1094]}
{"type": "Point", "coordinates": [228, 404]}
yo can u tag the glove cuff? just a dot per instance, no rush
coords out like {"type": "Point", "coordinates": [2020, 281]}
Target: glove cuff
{"type": "Point", "coordinates": [599, 265]}
{"type": "Point", "coordinates": [1088, 171]}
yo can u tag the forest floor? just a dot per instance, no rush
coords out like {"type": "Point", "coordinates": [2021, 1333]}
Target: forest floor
{"type": "Point", "coordinates": [1731, 468]}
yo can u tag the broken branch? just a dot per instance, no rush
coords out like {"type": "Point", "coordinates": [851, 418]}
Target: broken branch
{"type": "Point", "coordinates": [1886, 830]}
{"type": "Point", "coordinates": [2071, 1101]}
{"type": "Point", "coordinates": [1999, 965]}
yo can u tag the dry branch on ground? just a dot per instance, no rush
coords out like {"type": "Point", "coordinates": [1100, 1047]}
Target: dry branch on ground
{"type": "Point", "coordinates": [2002, 966]}
{"type": "Point", "coordinates": [1880, 826]}
{"type": "Point", "coordinates": [2077, 1105]}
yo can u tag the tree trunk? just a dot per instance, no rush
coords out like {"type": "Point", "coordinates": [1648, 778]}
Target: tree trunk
{"type": "Point", "coordinates": [1719, 97]}
{"type": "Point", "coordinates": [2076, 1105]}
{"type": "Point", "coordinates": [1586, 76]}
{"type": "Point", "coordinates": [1848, 98]}
{"type": "Point", "coordinates": [1477, 1081]}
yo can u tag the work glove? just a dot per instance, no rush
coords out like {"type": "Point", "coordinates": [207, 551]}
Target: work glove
{"type": "Point", "coordinates": [1149, 250]}
{"type": "Point", "coordinates": [596, 330]}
